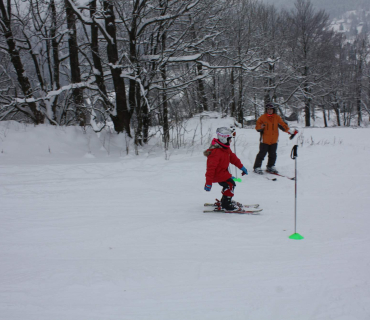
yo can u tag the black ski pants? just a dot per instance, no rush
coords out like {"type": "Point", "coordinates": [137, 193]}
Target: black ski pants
{"type": "Point", "coordinates": [264, 149]}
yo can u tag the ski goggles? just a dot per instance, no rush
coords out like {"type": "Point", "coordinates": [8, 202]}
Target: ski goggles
{"type": "Point", "coordinates": [225, 135]}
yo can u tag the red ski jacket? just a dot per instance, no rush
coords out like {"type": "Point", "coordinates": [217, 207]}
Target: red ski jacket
{"type": "Point", "coordinates": [218, 160]}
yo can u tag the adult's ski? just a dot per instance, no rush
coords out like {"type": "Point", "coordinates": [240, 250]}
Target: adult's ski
{"type": "Point", "coordinates": [280, 175]}
{"type": "Point", "coordinates": [271, 179]}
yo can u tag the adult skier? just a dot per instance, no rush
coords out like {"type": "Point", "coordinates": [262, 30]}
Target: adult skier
{"type": "Point", "coordinates": [219, 156]}
{"type": "Point", "coordinates": [268, 126]}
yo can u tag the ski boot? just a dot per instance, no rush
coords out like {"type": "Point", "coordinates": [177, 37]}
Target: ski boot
{"type": "Point", "coordinates": [258, 170]}
{"type": "Point", "coordinates": [227, 204]}
{"type": "Point", "coordinates": [272, 169]}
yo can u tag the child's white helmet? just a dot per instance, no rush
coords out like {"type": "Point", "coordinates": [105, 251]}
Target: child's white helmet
{"type": "Point", "coordinates": [223, 134]}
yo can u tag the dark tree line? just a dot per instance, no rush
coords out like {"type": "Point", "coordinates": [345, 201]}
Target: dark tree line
{"type": "Point", "coordinates": [140, 63]}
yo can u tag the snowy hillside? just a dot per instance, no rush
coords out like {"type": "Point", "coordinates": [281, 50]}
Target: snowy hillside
{"type": "Point", "coordinates": [352, 23]}
{"type": "Point", "coordinates": [89, 230]}
{"type": "Point", "coordinates": [332, 7]}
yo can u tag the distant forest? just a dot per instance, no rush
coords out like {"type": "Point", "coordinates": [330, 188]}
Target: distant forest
{"type": "Point", "coordinates": [334, 8]}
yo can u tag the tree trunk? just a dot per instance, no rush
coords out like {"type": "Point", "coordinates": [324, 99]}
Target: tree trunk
{"type": "Point", "coordinates": [55, 46]}
{"type": "Point", "coordinates": [307, 107]}
{"type": "Point", "coordinates": [214, 91]}
{"type": "Point", "coordinates": [359, 92]}
{"type": "Point", "coordinates": [133, 102]}
{"type": "Point", "coordinates": [163, 72]}
{"type": "Point", "coordinates": [77, 93]}
{"type": "Point", "coordinates": [201, 90]}
{"type": "Point", "coordinates": [269, 83]}
{"type": "Point", "coordinates": [48, 57]}
{"type": "Point", "coordinates": [240, 102]}
{"type": "Point", "coordinates": [23, 80]}
{"type": "Point", "coordinates": [146, 122]}
{"type": "Point", "coordinates": [325, 120]}
{"type": "Point", "coordinates": [203, 103]}
{"type": "Point", "coordinates": [344, 114]}
{"type": "Point", "coordinates": [139, 118]}
{"type": "Point", "coordinates": [55, 54]}
{"type": "Point", "coordinates": [337, 112]}
{"type": "Point", "coordinates": [233, 98]}
{"type": "Point", "coordinates": [121, 120]}
{"type": "Point", "coordinates": [368, 94]}
{"type": "Point", "coordinates": [307, 110]}
{"type": "Point", "coordinates": [36, 64]}
{"type": "Point", "coordinates": [166, 129]}
{"type": "Point", "coordinates": [256, 115]}
{"type": "Point", "coordinates": [99, 73]}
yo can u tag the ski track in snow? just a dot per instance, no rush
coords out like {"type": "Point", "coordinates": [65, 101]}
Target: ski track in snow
{"type": "Point", "coordinates": [125, 237]}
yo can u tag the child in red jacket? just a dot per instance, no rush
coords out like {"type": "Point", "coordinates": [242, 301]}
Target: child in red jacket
{"type": "Point", "coordinates": [219, 156]}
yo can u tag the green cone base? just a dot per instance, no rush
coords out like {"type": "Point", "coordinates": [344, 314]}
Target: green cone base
{"type": "Point", "coordinates": [296, 236]}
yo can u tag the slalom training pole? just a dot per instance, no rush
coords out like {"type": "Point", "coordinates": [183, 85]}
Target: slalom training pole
{"type": "Point", "coordinates": [294, 155]}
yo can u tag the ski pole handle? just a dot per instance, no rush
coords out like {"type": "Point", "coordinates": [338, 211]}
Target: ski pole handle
{"type": "Point", "coordinates": [294, 153]}
{"type": "Point", "coordinates": [293, 135]}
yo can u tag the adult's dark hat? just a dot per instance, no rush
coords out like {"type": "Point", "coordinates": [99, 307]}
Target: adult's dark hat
{"type": "Point", "coordinates": [270, 106]}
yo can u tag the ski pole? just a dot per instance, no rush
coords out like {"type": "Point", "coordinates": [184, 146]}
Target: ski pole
{"type": "Point", "coordinates": [294, 155]}
{"type": "Point", "coordinates": [236, 169]}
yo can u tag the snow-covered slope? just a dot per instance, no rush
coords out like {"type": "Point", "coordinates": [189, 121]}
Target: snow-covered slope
{"type": "Point", "coordinates": [352, 23]}
{"type": "Point", "coordinates": [88, 231]}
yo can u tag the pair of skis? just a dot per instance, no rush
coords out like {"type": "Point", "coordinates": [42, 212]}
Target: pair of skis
{"type": "Point", "coordinates": [242, 208]}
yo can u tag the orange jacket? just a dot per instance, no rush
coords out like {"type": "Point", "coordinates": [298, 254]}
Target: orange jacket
{"type": "Point", "coordinates": [270, 133]}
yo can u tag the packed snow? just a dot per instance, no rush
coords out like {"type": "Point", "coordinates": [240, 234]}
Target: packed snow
{"type": "Point", "coordinates": [91, 230]}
